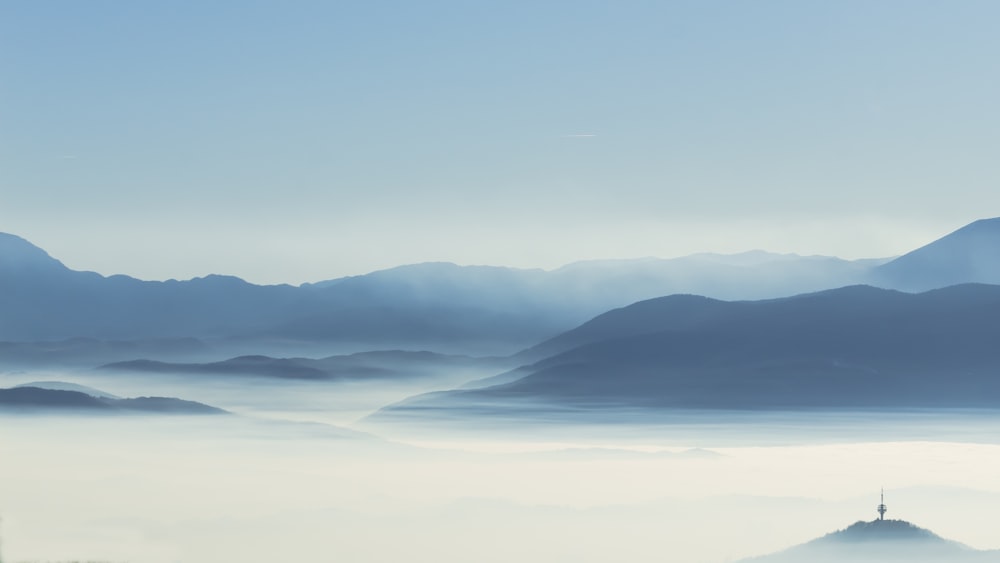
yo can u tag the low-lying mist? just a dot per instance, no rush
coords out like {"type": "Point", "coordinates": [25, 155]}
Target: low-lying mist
{"type": "Point", "coordinates": [299, 473]}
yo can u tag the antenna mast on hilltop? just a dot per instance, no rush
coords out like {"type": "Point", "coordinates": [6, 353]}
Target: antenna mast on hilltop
{"type": "Point", "coordinates": [881, 507]}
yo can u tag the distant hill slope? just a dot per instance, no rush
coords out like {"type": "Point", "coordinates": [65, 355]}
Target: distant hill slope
{"type": "Point", "coordinates": [92, 351]}
{"type": "Point", "coordinates": [851, 347]}
{"type": "Point", "coordinates": [37, 399]}
{"type": "Point", "coordinates": [598, 285]}
{"type": "Point", "coordinates": [673, 312]}
{"type": "Point", "coordinates": [43, 300]}
{"type": "Point", "coordinates": [880, 541]}
{"type": "Point", "coordinates": [969, 255]}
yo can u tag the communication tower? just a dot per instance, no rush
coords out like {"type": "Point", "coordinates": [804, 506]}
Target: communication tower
{"type": "Point", "coordinates": [881, 507]}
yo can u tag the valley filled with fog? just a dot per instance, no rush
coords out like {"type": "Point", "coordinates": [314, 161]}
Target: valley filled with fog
{"type": "Point", "coordinates": [301, 472]}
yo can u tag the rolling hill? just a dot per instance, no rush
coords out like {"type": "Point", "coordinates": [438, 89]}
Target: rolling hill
{"type": "Point", "coordinates": [34, 399]}
{"type": "Point", "coordinates": [853, 347]}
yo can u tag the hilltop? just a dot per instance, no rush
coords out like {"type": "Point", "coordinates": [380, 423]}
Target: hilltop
{"type": "Point", "coordinates": [880, 541]}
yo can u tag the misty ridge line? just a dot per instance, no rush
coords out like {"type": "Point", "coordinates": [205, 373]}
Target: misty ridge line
{"type": "Point", "coordinates": [437, 306]}
{"type": "Point", "coordinates": [16, 251]}
{"type": "Point", "coordinates": [748, 258]}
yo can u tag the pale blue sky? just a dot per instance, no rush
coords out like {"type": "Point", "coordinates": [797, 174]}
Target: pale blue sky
{"type": "Point", "coordinates": [297, 141]}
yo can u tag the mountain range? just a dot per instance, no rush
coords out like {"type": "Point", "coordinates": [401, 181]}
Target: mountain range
{"type": "Point", "coordinates": [439, 306]}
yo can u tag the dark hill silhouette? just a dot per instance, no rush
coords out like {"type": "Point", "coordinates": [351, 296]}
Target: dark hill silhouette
{"type": "Point", "coordinates": [671, 312]}
{"type": "Point", "coordinates": [67, 386]}
{"type": "Point", "coordinates": [37, 399]}
{"type": "Point", "coordinates": [880, 541]}
{"type": "Point", "coordinates": [243, 365]}
{"type": "Point", "coordinates": [365, 365]}
{"type": "Point", "coordinates": [969, 255]}
{"type": "Point", "coordinates": [851, 347]}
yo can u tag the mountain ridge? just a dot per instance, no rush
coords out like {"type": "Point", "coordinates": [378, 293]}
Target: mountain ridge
{"type": "Point", "coordinates": [484, 310]}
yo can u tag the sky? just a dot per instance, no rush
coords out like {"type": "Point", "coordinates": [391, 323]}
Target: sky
{"type": "Point", "coordinates": [298, 141]}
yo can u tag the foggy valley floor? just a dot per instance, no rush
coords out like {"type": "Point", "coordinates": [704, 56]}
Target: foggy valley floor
{"type": "Point", "coordinates": [264, 484]}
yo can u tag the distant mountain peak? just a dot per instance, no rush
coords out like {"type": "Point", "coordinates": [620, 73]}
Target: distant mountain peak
{"type": "Point", "coordinates": [17, 253]}
{"type": "Point", "coordinates": [992, 223]}
{"type": "Point", "coordinates": [969, 254]}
